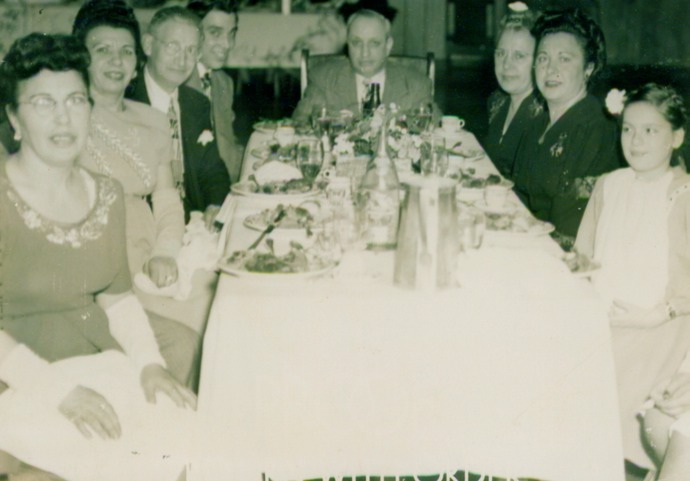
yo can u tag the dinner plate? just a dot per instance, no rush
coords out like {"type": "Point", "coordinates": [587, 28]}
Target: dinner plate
{"type": "Point", "coordinates": [266, 126]}
{"type": "Point", "coordinates": [258, 223]}
{"type": "Point", "coordinates": [244, 189]}
{"type": "Point", "coordinates": [469, 194]}
{"type": "Point", "coordinates": [272, 276]}
{"type": "Point", "coordinates": [261, 152]}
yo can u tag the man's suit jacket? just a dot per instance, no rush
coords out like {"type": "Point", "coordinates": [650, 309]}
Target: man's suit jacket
{"type": "Point", "coordinates": [223, 117]}
{"type": "Point", "coordinates": [206, 179]}
{"type": "Point", "coordinates": [332, 84]}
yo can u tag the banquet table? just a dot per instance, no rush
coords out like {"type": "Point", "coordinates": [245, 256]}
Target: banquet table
{"type": "Point", "coordinates": [508, 374]}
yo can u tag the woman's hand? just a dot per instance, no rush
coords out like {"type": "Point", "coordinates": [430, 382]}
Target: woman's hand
{"type": "Point", "coordinates": [90, 413]}
{"type": "Point", "coordinates": [625, 314]}
{"type": "Point", "coordinates": [155, 377]}
{"type": "Point", "coordinates": [672, 396]}
{"type": "Point", "coordinates": [162, 270]}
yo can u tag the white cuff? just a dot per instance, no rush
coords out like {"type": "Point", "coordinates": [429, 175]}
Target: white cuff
{"type": "Point", "coordinates": [130, 326]}
{"type": "Point", "coordinates": [24, 371]}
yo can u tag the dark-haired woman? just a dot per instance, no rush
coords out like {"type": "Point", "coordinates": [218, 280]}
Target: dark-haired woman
{"type": "Point", "coordinates": [131, 142]}
{"type": "Point", "coordinates": [563, 153]}
{"type": "Point", "coordinates": [78, 359]}
{"type": "Point", "coordinates": [514, 106]}
{"type": "Point", "coordinates": [637, 226]}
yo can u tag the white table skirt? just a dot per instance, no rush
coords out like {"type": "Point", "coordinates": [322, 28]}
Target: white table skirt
{"type": "Point", "coordinates": [510, 374]}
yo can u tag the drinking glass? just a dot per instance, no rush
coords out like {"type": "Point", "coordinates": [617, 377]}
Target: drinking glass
{"type": "Point", "coordinates": [471, 227]}
{"type": "Point", "coordinates": [434, 158]}
{"type": "Point", "coordinates": [309, 158]}
{"type": "Point", "coordinates": [320, 120]}
{"type": "Point", "coordinates": [419, 119]}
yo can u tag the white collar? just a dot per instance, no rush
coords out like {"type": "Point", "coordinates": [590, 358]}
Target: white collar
{"type": "Point", "coordinates": [159, 98]}
{"type": "Point", "coordinates": [202, 69]}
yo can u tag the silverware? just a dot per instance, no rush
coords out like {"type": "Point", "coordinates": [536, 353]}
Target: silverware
{"type": "Point", "coordinates": [268, 229]}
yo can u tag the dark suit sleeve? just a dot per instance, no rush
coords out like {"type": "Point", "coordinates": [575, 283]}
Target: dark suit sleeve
{"type": "Point", "coordinates": [214, 180]}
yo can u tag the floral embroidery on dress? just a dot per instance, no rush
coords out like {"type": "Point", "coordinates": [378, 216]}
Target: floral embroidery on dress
{"type": "Point", "coordinates": [496, 105]}
{"type": "Point", "coordinates": [77, 234]}
{"type": "Point", "coordinates": [557, 148]}
{"type": "Point", "coordinates": [536, 107]}
{"type": "Point", "coordinates": [122, 147]}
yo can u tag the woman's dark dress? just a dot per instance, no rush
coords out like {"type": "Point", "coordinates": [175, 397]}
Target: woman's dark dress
{"type": "Point", "coordinates": [554, 176]}
{"type": "Point", "coordinates": [501, 147]}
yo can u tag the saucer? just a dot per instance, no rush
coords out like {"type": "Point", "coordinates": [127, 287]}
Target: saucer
{"type": "Point", "coordinates": [507, 208]}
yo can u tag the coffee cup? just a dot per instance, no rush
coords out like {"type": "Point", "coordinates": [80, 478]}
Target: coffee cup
{"type": "Point", "coordinates": [285, 135]}
{"type": "Point", "coordinates": [452, 123]}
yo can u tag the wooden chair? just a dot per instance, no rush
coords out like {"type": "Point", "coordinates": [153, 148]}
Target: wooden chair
{"type": "Point", "coordinates": [425, 65]}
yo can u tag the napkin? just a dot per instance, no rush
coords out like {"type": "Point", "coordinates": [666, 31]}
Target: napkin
{"type": "Point", "coordinates": [199, 251]}
{"type": "Point", "coordinates": [275, 171]}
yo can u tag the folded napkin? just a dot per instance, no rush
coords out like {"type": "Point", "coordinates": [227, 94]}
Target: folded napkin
{"type": "Point", "coordinates": [275, 171]}
{"type": "Point", "coordinates": [199, 251]}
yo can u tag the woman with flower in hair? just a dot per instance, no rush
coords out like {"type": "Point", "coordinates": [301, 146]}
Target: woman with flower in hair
{"type": "Point", "coordinates": [515, 105]}
{"type": "Point", "coordinates": [563, 152]}
{"type": "Point", "coordinates": [637, 227]}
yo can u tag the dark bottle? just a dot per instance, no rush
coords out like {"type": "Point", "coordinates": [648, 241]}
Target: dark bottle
{"type": "Point", "coordinates": [372, 100]}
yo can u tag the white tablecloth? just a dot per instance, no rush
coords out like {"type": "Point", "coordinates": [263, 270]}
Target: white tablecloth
{"type": "Point", "coordinates": [510, 374]}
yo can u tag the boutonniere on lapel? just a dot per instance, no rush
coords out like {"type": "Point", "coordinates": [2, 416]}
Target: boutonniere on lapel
{"type": "Point", "coordinates": [205, 137]}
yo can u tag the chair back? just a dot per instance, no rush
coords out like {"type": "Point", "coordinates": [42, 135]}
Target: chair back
{"type": "Point", "coordinates": [424, 65]}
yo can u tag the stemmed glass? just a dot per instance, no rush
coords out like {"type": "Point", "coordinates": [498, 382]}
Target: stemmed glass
{"type": "Point", "coordinates": [419, 119]}
{"type": "Point", "coordinates": [309, 158]}
{"type": "Point", "coordinates": [320, 120]}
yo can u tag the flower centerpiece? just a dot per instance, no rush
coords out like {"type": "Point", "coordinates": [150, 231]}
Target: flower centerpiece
{"type": "Point", "coordinates": [404, 146]}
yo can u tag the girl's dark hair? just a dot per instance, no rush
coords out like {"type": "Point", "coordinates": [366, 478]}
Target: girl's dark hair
{"type": "Point", "coordinates": [108, 13]}
{"type": "Point", "coordinates": [35, 52]}
{"type": "Point", "coordinates": [586, 31]}
{"type": "Point", "coordinates": [666, 100]}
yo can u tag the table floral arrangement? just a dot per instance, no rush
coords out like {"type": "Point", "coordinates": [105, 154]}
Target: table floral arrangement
{"type": "Point", "coordinates": [404, 146]}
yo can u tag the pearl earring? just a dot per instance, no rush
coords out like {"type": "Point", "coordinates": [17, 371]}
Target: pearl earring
{"type": "Point", "coordinates": [17, 136]}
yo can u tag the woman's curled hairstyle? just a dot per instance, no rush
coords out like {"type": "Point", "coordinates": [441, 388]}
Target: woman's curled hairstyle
{"type": "Point", "coordinates": [588, 34]}
{"type": "Point", "coordinates": [35, 52]}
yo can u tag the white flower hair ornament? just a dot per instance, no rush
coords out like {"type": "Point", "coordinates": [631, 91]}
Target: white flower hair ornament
{"type": "Point", "coordinates": [518, 7]}
{"type": "Point", "coordinates": [205, 137]}
{"type": "Point", "coordinates": [615, 101]}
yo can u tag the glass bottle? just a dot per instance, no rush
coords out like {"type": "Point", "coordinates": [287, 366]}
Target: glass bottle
{"type": "Point", "coordinates": [372, 100]}
{"type": "Point", "coordinates": [378, 199]}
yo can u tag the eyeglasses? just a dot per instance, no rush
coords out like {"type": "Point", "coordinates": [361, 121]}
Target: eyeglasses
{"type": "Point", "coordinates": [45, 104]}
{"type": "Point", "coordinates": [173, 49]}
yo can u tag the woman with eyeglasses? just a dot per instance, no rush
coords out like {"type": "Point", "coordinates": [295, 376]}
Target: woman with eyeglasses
{"type": "Point", "coordinates": [562, 153]}
{"type": "Point", "coordinates": [515, 105]}
{"type": "Point", "coordinates": [84, 391]}
{"type": "Point", "coordinates": [131, 142]}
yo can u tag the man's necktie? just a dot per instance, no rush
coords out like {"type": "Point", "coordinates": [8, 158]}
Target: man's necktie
{"type": "Point", "coordinates": [206, 84]}
{"type": "Point", "coordinates": [177, 159]}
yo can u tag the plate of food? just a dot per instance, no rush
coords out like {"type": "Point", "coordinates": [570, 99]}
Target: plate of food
{"type": "Point", "coordinates": [283, 190]}
{"type": "Point", "coordinates": [471, 186]}
{"type": "Point", "coordinates": [296, 263]}
{"type": "Point", "coordinates": [516, 223]}
{"type": "Point", "coordinates": [296, 218]}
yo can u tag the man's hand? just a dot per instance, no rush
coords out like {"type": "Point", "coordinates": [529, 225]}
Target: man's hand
{"type": "Point", "coordinates": [90, 413]}
{"type": "Point", "coordinates": [155, 378]}
{"type": "Point", "coordinates": [672, 396]}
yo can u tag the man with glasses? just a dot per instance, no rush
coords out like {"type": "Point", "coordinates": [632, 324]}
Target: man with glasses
{"type": "Point", "coordinates": [171, 44]}
{"type": "Point", "coordinates": [219, 22]}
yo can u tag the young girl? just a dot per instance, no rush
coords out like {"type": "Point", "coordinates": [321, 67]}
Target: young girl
{"type": "Point", "coordinates": [637, 227]}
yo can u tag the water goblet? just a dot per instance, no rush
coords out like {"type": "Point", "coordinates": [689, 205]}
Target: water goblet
{"type": "Point", "coordinates": [433, 155]}
{"type": "Point", "coordinates": [471, 227]}
{"type": "Point", "coordinates": [419, 119]}
{"type": "Point", "coordinates": [309, 158]}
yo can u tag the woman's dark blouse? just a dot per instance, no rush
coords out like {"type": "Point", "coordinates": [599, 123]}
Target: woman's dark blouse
{"type": "Point", "coordinates": [501, 147]}
{"type": "Point", "coordinates": [554, 176]}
